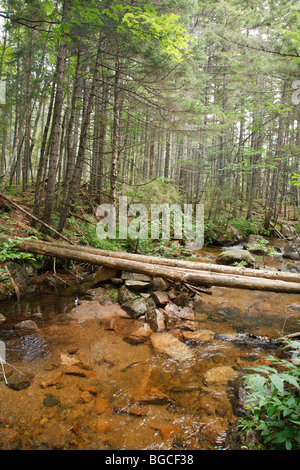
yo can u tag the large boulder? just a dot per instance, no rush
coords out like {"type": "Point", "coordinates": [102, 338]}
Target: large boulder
{"type": "Point", "coordinates": [230, 237]}
{"type": "Point", "coordinates": [236, 255]}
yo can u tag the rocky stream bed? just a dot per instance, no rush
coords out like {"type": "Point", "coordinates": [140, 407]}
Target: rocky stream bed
{"type": "Point", "coordinates": [110, 361]}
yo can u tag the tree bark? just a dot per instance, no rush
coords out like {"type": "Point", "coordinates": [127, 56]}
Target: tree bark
{"type": "Point", "coordinates": [74, 184]}
{"type": "Point", "coordinates": [56, 124]}
{"type": "Point", "coordinates": [189, 276]}
{"type": "Point", "coordinates": [116, 134]}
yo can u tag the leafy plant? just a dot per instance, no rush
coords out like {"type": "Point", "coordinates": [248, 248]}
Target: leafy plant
{"type": "Point", "coordinates": [262, 244]}
{"type": "Point", "coordinates": [274, 402]}
{"type": "Point", "coordinates": [296, 179]}
{"type": "Point", "coordinates": [4, 278]}
{"type": "Point", "coordinates": [9, 251]}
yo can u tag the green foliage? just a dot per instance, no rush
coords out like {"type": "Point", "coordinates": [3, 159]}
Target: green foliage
{"type": "Point", "coordinates": [296, 179]}
{"type": "Point", "coordinates": [274, 402]}
{"type": "Point", "coordinates": [9, 251]}
{"type": "Point", "coordinates": [216, 229]}
{"type": "Point", "coordinates": [157, 192]}
{"type": "Point", "coordinates": [4, 278]}
{"type": "Point", "coordinates": [172, 37]}
{"type": "Point", "coordinates": [141, 24]}
{"type": "Point", "coordinates": [246, 227]}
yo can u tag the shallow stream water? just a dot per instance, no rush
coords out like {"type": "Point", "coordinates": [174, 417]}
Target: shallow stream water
{"type": "Point", "coordinates": [132, 397]}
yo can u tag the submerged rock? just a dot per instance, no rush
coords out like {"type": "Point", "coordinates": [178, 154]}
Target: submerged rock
{"type": "Point", "coordinates": [220, 375]}
{"type": "Point", "coordinates": [198, 336]}
{"type": "Point", "coordinates": [171, 346]}
{"type": "Point", "coordinates": [50, 400]}
{"type": "Point", "coordinates": [139, 336]}
{"type": "Point", "coordinates": [26, 325]}
{"type": "Point", "coordinates": [19, 381]}
{"type": "Point", "coordinates": [93, 310]}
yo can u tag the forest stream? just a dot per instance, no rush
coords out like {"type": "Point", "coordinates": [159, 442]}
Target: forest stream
{"type": "Point", "coordinates": [81, 383]}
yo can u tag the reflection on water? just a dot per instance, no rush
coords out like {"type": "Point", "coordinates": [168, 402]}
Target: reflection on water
{"type": "Point", "coordinates": [24, 344]}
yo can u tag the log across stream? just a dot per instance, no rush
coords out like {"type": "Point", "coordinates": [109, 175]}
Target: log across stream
{"type": "Point", "coordinates": [198, 274]}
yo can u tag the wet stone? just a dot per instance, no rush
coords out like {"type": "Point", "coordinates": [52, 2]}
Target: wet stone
{"type": "Point", "coordinates": [156, 320]}
{"type": "Point", "coordinates": [55, 436]}
{"type": "Point", "coordinates": [220, 375]}
{"type": "Point", "coordinates": [19, 381]}
{"type": "Point", "coordinates": [51, 400]}
{"type": "Point", "coordinates": [171, 346]}
{"type": "Point", "coordinates": [26, 325]}
{"type": "Point", "coordinates": [200, 336]}
{"type": "Point", "coordinates": [139, 336]}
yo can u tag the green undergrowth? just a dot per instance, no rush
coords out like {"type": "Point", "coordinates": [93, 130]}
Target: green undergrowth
{"type": "Point", "coordinates": [273, 401]}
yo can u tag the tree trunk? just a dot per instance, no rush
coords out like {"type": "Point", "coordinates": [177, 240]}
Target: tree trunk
{"type": "Point", "coordinates": [200, 278]}
{"type": "Point", "coordinates": [116, 134]}
{"type": "Point", "coordinates": [56, 124]}
{"type": "Point", "coordinates": [74, 184]}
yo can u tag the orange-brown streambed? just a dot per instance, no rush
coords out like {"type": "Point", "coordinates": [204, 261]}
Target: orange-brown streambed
{"type": "Point", "coordinates": [89, 388]}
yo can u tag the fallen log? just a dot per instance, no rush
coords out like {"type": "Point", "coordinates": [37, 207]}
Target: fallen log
{"type": "Point", "coordinates": [194, 265]}
{"type": "Point", "coordinates": [188, 276]}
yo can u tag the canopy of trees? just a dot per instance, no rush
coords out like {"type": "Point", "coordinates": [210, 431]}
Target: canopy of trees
{"type": "Point", "coordinates": [105, 96]}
